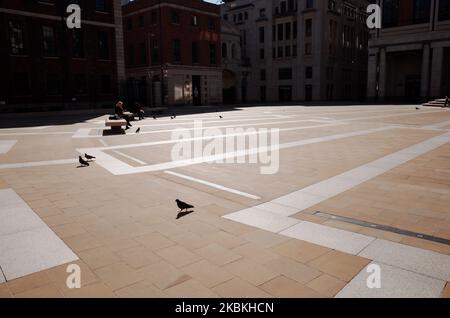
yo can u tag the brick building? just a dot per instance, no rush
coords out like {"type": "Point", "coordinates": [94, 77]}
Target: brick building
{"type": "Point", "coordinates": [177, 41]}
{"type": "Point", "coordinates": [47, 66]}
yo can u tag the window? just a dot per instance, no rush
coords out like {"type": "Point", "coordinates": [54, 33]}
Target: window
{"type": "Point", "coordinates": [246, 15]}
{"type": "Point", "coordinates": [444, 10]}
{"type": "Point", "coordinates": [225, 17]}
{"type": "Point", "coordinates": [280, 32]}
{"type": "Point", "coordinates": [280, 52]}
{"type": "Point", "coordinates": [143, 53]}
{"type": "Point", "coordinates": [131, 54]}
{"type": "Point", "coordinates": [103, 45]}
{"type": "Point", "coordinates": [262, 13]}
{"type": "Point", "coordinates": [48, 41]}
{"type": "Point", "coordinates": [77, 43]}
{"type": "Point", "coordinates": [308, 72]}
{"type": "Point", "coordinates": [294, 50]}
{"type": "Point", "coordinates": [262, 92]}
{"type": "Point", "coordinates": [21, 84]}
{"type": "Point", "coordinates": [274, 53]}
{"type": "Point", "coordinates": [330, 73]}
{"type": "Point", "coordinates": [211, 24]}
{"type": "Point", "coordinates": [309, 4]}
{"type": "Point", "coordinates": [308, 93]}
{"type": "Point", "coordinates": [274, 33]}
{"type": "Point", "coordinates": [53, 86]}
{"type": "Point", "coordinates": [212, 54]}
{"type": "Point", "coordinates": [129, 23]}
{"type": "Point", "coordinates": [175, 17]}
{"type": "Point", "coordinates": [155, 52]}
{"type": "Point", "coordinates": [294, 27]}
{"type": "Point", "coordinates": [285, 73]}
{"type": "Point", "coordinates": [308, 49]}
{"type": "Point", "coordinates": [308, 27]}
{"type": "Point", "coordinates": [261, 54]}
{"type": "Point", "coordinates": [194, 20]}
{"type": "Point", "coordinates": [288, 31]}
{"type": "Point", "coordinates": [195, 52]}
{"type": "Point", "coordinates": [224, 51]}
{"type": "Point", "coordinates": [261, 35]}
{"type": "Point", "coordinates": [262, 75]}
{"type": "Point", "coordinates": [421, 11]}
{"type": "Point", "coordinates": [390, 13]}
{"type": "Point", "coordinates": [141, 21]}
{"type": "Point", "coordinates": [100, 5]}
{"type": "Point", "coordinates": [105, 84]}
{"type": "Point", "coordinates": [154, 17]}
{"type": "Point", "coordinates": [287, 51]}
{"type": "Point", "coordinates": [16, 42]}
{"type": "Point", "coordinates": [176, 47]}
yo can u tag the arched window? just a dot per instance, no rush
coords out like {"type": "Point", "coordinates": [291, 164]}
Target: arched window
{"type": "Point", "coordinates": [233, 51]}
{"type": "Point", "coordinates": [224, 51]}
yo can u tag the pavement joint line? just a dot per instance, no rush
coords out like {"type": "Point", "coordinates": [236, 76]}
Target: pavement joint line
{"type": "Point", "coordinates": [129, 157]}
{"type": "Point", "coordinates": [213, 185]}
{"type": "Point", "coordinates": [6, 145]}
{"type": "Point", "coordinates": [103, 142]}
{"type": "Point", "coordinates": [3, 275]}
{"type": "Point", "coordinates": [118, 167]}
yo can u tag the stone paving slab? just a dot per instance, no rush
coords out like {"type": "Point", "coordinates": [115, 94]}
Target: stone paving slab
{"type": "Point", "coordinates": [395, 283]}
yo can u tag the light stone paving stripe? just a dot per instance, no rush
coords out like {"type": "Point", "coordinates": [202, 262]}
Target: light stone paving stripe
{"type": "Point", "coordinates": [37, 163]}
{"type": "Point", "coordinates": [2, 276]}
{"type": "Point", "coordinates": [117, 167]}
{"type": "Point", "coordinates": [27, 244]}
{"type": "Point", "coordinates": [411, 258]}
{"type": "Point", "coordinates": [395, 283]}
{"type": "Point", "coordinates": [262, 219]}
{"type": "Point", "coordinates": [340, 240]}
{"type": "Point", "coordinates": [130, 157]}
{"type": "Point", "coordinates": [103, 142]}
{"type": "Point", "coordinates": [82, 133]}
{"type": "Point", "coordinates": [214, 185]}
{"type": "Point", "coordinates": [437, 125]}
{"type": "Point", "coordinates": [6, 145]}
{"type": "Point", "coordinates": [39, 133]}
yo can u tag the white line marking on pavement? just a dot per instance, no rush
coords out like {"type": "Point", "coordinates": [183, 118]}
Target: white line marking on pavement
{"type": "Point", "coordinates": [437, 125]}
{"type": "Point", "coordinates": [39, 133]}
{"type": "Point", "coordinates": [103, 142]}
{"type": "Point", "coordinates": [6, 145]}
{"type": "Point", "coordinates": [37, 163]}
{"type": "Point", "coordinates": [214, 185]}
{"type": "Point", "coordinates": [130, 157]}
{"type": "Point", "coordinates": [27, 244]}
{"type": "Point", "coordinates": [117, 167]}
{"type": "Point", "coordinates": [82, 133]}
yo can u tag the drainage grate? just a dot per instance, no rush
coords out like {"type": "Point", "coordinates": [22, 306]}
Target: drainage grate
{"type": "Point", "coordinates": [383, 228]}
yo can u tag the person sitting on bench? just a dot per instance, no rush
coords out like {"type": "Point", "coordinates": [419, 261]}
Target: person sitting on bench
{"type": "Point", "coordinates": [120, 114]}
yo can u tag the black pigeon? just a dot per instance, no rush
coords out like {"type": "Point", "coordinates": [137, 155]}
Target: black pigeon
{"type": "Point", "coordinates": [183, 205]}
{"type": "Point", "coordinates": [417, 108]}
{"type": "Point", "coordinates": [154, 117]}
{"type": "Point", "coordinates": [171, 117]}
{"type": "Point", "coordinates": [138, 130]}
{"type": "Point", "coordinates": [174, 116]}
{"type": "Point", "coordinates": [220, 117]}
{"type": "Point", "coordinates": [89, 157]}
{"type": "Point", "coordinates": [83, 162]}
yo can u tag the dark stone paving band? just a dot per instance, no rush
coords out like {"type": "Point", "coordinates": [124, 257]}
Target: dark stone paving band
{"type": "Point", "coordinates": [383, 227]}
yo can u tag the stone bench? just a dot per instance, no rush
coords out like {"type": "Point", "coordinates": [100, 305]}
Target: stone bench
{"type": "Point", "coordinates": [116, 124]}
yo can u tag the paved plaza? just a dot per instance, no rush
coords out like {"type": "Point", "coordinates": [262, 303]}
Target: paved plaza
{"type": "Point", "coordinates": [354, 186]}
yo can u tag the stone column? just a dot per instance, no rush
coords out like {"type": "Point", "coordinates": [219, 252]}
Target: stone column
{"type": "Point", "coordinates": [372, 76]}
{"type": "Point", "coordinates": [120, 54]}
{"type": "Point", "coordinates": [424, 79]}
{"type": "Point", "coordinates": [436, 72]}
{"type": "Point", "coordinates": [382, 78]}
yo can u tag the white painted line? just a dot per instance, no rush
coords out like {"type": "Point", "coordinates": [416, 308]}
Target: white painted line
{"type": "Point", "coordinates": [262, 219]}
{"type": "Point", "coordinates": [390, 116]}
{"type": "Point", "coordinates": [103, 142]}
{"type": "Point", "coordinates": [37, 163]}
{"type": "Point", "coordinates": [130, 157]}
{"type": "Point", "coordinates": [2, 276]}
{"type": "Point", "coordinates": [41, 127]}
{"type": "Point", "coordinates": [117, 167]}
{"type": "Point", "coordinates": [214, 185]}
{"type": "Point", "coordinates": [340, 240]}
{"type": "Point", "coordinates": [38, 133]}
{"type": "Point", "coordinates": [82, 133]}
{"type": "Point", "coordinates": [174, 141]}
{"type": "Point", "coordinates": [395, 283]}
{"type": "Point", "coordinates": [415, 259]}
{"type": "Point", "coordinates": [6, 145]}
{"type": "Point", "coordinates": [27, 244]}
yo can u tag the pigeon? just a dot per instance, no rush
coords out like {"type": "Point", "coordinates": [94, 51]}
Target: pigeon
{"type": "Point", "coordinates": [183, 205]}
{"type": "Point", "coordinates": [220, 117]}
{"type": "Point", "coordinates": [89, 157]}
{"type": "Point", "coordinates": [174, 116]}
{"type": "Point", "coordinates": [417, 108]}
{"type": "Point", "coordinates": [83, 162]}
{"type": "Point", "coordinates": [154, 117]}
{"type": "Point", "coordinates": [138, 130]}
{"type": "Point", "coordinates": [171, 117]}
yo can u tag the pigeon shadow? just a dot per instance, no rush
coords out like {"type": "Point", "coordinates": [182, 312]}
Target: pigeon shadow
{"type": "Point", "coordinates": [79, 167]}
{"type": "Point", "coordinates": [183, 214]}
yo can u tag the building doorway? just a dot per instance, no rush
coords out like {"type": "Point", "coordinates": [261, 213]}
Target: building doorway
{"type": "Point", "coordinates": [308, 93]}
{"type": "Point", "coordinates": [229, 87]}
{"type": "Point", "coordinates": [412, 88]}
{"type": "Point", "coordinates": [196, 90]}
{"type": "Point", "coordinates": [285, 93]}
